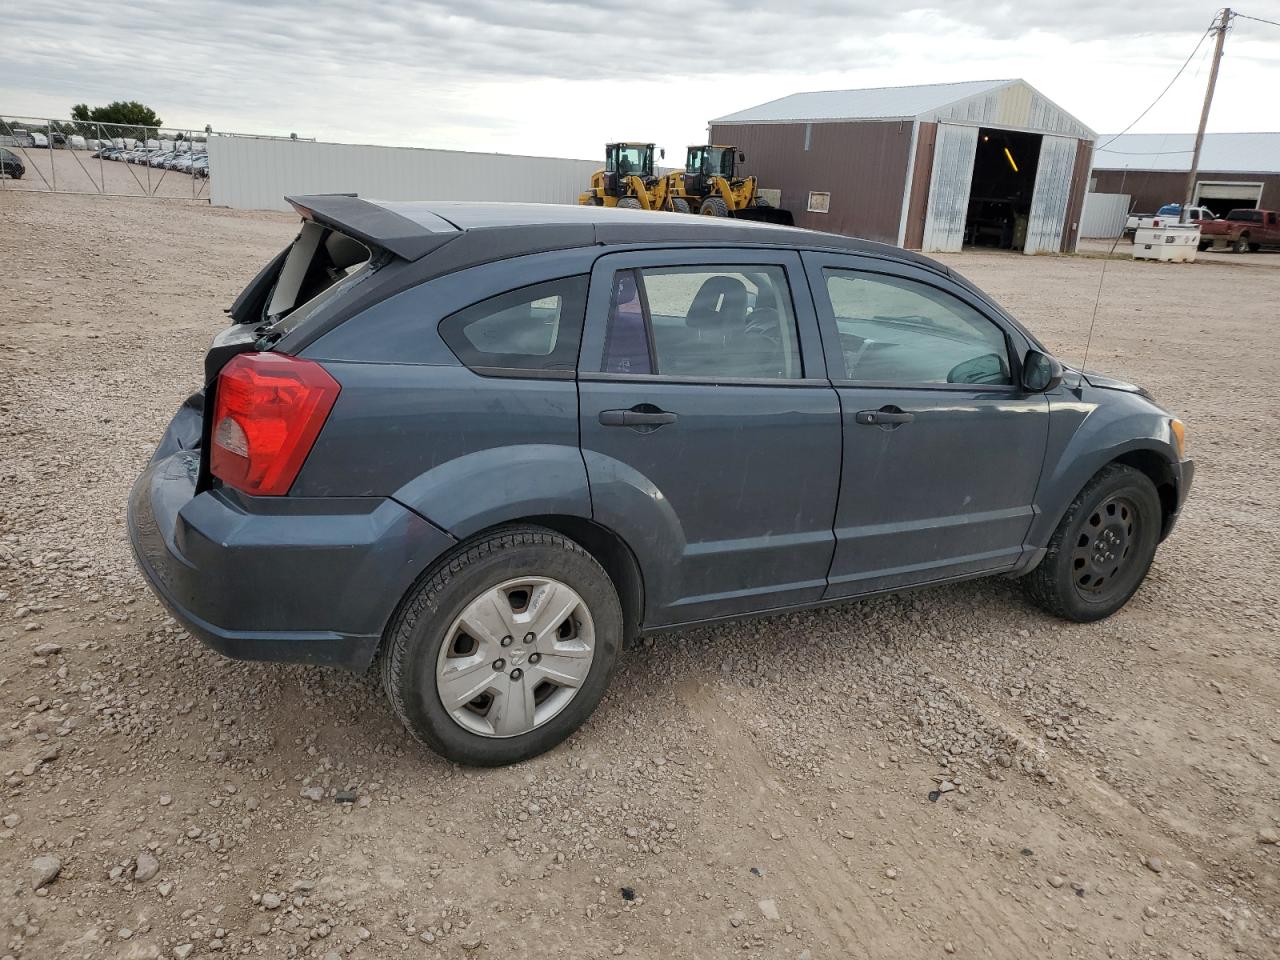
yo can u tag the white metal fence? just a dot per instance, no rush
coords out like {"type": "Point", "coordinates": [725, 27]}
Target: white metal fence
{"type": "Point", "coordinates": [1104, 215]}
{"type": "Point", "coordinates": [257, 174]}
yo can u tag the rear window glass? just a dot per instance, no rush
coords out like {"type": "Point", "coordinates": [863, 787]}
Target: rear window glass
{"type": "Point", "coordinates": [317, 263]}
{"type": "Point", "coordinates": [533, 329]}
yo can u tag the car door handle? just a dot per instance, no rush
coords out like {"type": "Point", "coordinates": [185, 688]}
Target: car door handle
{"type": "Point", "coordinates": [636, 418]}
{"type": "Point", "coordinates": [881, 418]}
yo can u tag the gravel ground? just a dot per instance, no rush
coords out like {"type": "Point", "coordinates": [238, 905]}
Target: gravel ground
{"type": "Point", "coordinates": [934, 774]}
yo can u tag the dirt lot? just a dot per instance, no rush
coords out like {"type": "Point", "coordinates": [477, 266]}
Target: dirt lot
{"type": "Point", "coordinates": [78, 171]}
{"type": "Point", "coordinates": [756, 790]}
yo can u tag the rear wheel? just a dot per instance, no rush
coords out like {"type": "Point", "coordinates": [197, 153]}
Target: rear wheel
{"type": "Point", "coordinates": [714, 207]}
{"type": "Point", "coordinates": [631, 203]}
{"type": "Point", "coordinates": [1102, 549]}
{"type": "Point", "coordinates": [505, 649]}
{"type": "Point", "coordinates": [680, 205]}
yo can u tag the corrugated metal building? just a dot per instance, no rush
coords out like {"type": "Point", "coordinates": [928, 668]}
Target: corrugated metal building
{"type": "Point", "coordinates": [931, 167]}
{"type": "Point", "coordinates": [251, 173]}
{"type": "Point", "coordinates": [1236, 170]}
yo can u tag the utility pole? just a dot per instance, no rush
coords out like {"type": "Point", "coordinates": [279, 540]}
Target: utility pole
{"type": "Point", "coordinates": [1221, 29]}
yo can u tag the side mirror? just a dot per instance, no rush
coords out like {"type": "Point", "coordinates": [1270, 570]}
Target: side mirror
{"type": "Point", "coordinates": [1040, 372]}
{"type": "Point", "coordinates": [742, 157]}
{"type": "Point", "coordinates": [662, 153]}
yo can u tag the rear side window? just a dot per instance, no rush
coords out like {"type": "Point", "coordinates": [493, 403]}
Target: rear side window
{"type": "Point", "coordinates": [531, 331]}
{"type": "Point", "coordinates": [706, 322]}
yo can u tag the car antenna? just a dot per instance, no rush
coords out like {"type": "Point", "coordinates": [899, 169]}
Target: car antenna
{"type": "Point", "coordinates": [1088, 340]}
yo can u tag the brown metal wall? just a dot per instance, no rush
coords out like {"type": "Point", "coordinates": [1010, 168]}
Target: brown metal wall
{"type": "Point", "coordinates": [921, 181]}
{"type": "Point", "coordinates": [1151, 190]}
{"type": "Point", "coordinates": [863, 165]}
{"type": "Point", "coordinates": [1075, 203]}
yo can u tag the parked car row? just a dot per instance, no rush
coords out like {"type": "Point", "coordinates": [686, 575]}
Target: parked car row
{"type": "Point", "coordinates": [196, 164]}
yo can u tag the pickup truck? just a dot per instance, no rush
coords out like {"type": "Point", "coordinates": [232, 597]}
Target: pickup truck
{"type": "Point", "coordinates": [1242, 231]}
{"type": "Point", "coordinates": [1170, 211]}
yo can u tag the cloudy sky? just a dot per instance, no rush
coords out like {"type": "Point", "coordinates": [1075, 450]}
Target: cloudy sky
{"type": "Point", "coordinates": [561, 77]}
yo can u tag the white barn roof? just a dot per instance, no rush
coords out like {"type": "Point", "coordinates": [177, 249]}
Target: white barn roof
{"type": "Point", "coordinates": [1013, 104]}
{"type": "Point", "coordinates": [1222, 152]}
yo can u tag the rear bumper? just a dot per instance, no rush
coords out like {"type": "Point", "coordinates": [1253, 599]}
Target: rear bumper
{"type": "Point", "coordinates": [302, 580]}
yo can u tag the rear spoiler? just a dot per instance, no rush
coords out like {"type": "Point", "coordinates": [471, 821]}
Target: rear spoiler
{"type": "Point", "coordinates": [374, 225]}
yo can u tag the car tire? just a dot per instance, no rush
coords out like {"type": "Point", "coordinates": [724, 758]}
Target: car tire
{"type": "Point", "coordinates": [630, 203]}
{"type": "Point", "coordinates": [1203, 246]}
{"type": "Point", "coordinates": [415, 663]}
{"type": "Point", "coordinates": [1241, 245]}
{"type": "Point", "coordinates": [1102, 548]}
{"type": "Point", "coordinates": [680, 205]}
{"type": "Point", "coordinates": [714, 207]}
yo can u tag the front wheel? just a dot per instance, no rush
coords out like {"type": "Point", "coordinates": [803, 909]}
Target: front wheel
{"type": "Point", "coordinates": [714, 207]}
{"type": "Point", "coordinates": [629, 203]}
{"type": "Point", "coordinates": [680, 205]}
{"type": "Point", "coordinates": [1102, 549]}
{"type": "Point", "coordinates": [505, 649]}
{"type": "Point", "coordinates": [1241, 245]}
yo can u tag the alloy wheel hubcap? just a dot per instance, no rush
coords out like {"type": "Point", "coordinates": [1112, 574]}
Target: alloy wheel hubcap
{"type": "Point", "coordinates": [515, 657]}
{"type": "Point", "coordinates": [1104, 546]}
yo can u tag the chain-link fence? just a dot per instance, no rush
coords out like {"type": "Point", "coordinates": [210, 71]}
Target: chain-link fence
{"type": "Point", "coordinates": [108, 159]}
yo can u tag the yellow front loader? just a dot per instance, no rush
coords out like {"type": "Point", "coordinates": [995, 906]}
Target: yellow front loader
{"type": "Point", "coordinates": [711, 186]}
{"type": "Point", "coordinates": [628, 180]}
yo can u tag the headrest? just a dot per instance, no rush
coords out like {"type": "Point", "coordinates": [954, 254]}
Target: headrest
{"type": "Point", "coordinates": [719, 303]}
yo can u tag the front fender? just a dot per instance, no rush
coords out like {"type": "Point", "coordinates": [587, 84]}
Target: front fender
{"type": "Point", "coordinates": [470, 493]}
{"type": "Point", "coordinates": [1085, 435]}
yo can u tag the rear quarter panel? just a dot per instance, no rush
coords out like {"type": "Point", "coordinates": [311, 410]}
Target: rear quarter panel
{"type": "Point", "coordinates": [465, 451]}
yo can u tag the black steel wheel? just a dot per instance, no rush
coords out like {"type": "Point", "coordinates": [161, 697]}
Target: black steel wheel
{"type": "Point", "coordinates": [1105, 545]}
{"type": "Point", "coordinates": [1102, 548]}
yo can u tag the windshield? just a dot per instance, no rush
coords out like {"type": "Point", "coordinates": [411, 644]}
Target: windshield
{"type": "Point", "coordinates": [630, 158]}
{"type": "Point", "coordinates": [710, 161]}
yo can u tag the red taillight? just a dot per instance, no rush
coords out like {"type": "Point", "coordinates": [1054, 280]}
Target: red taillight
{"type": "Point", "coordinates": [268, 410]}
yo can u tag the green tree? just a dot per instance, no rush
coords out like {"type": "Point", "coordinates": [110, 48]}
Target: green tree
{"type": "Point", "coordinates": [129, 112]}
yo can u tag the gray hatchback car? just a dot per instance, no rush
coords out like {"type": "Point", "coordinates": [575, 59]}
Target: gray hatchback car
{"type": "Point", "coordinates": [482, 445]}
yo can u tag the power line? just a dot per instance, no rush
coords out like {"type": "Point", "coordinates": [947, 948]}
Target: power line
{"type": "Point", "coordinates": [1258, 19]}
{"type": "Point", "coordinates": [1190, 57]}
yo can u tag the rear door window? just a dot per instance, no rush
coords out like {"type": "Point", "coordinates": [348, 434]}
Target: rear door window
{"type": "Point", "coordinates": [533, 331]}
{"type": "Point", "coordinates": [706, 322]}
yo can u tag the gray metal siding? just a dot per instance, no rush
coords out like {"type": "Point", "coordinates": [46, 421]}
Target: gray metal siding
{"type": "Point", "coordinates": [256, 174]}
{"type": "Point", "coordinates": [1105, 215]}
{"type": "Point", "coordinates": [862, 165]}
{"type": "Point", "coordinates": [951, 180]}
{"type": "Point", "coordinates": [1052, 195]}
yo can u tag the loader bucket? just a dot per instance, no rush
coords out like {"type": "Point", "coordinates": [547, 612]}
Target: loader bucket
{"type": "Point", "coordinates": [774, 215]}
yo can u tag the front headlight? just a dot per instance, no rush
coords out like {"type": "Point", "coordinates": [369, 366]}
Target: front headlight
{"type": "Point", "coordinates": [1179, 431]}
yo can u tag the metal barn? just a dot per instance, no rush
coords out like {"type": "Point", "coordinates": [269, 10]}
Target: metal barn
{"type": "Point", "coordinates": [935, 167]}
{"type": "Point", "coordinates": [1150, 169]}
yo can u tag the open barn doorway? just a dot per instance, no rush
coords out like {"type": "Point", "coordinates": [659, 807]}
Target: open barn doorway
{"type": "Point", "coordinates": [1004, 180]}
